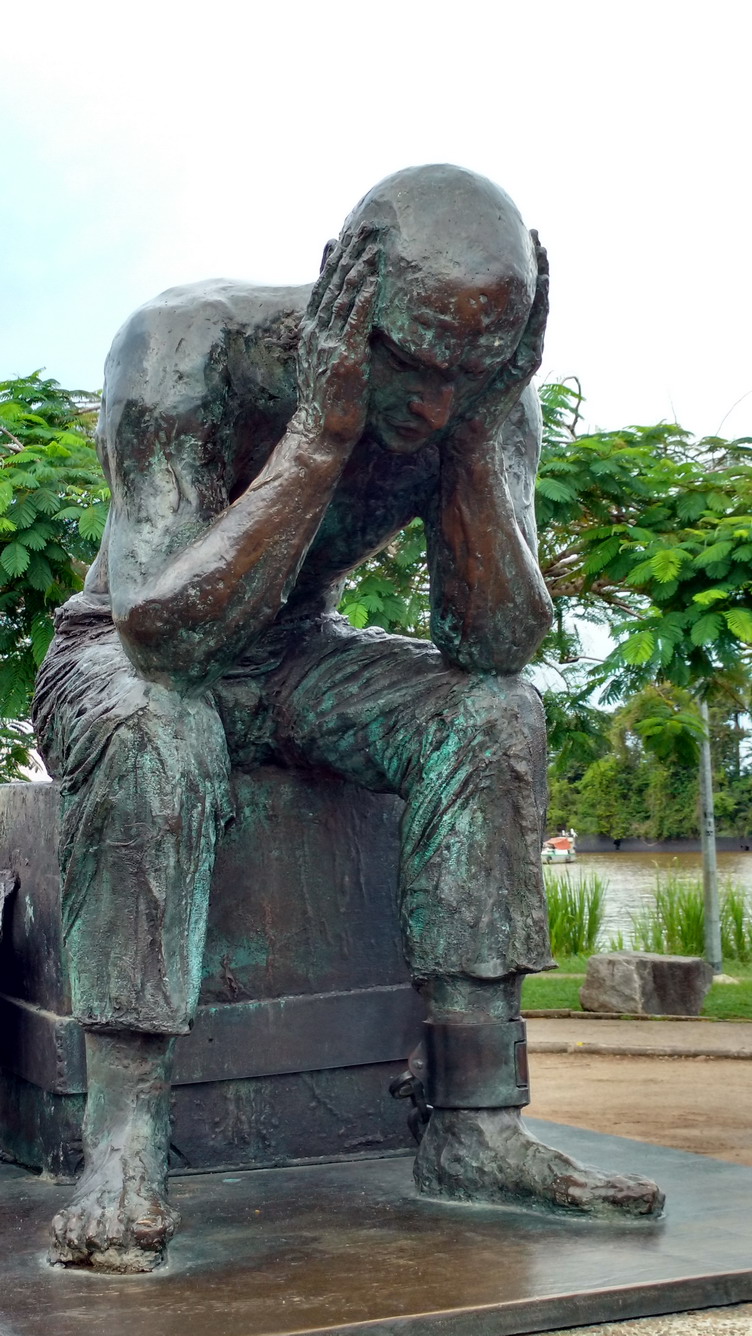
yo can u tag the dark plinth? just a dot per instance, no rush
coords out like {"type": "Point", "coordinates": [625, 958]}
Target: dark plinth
{"type": "Point", "coordinates": [306, 1014]}
{"type": "Point", "coordinates": [326, 1248]}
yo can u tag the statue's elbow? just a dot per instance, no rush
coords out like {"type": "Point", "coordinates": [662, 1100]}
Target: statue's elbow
{"type": "Point", "coordinates": [154, 648]}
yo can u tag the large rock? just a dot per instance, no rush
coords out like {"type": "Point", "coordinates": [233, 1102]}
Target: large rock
{"type": "Point", "coordinates": [641, 983]}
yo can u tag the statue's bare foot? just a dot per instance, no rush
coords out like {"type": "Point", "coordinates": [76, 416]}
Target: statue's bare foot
{"type": "Point", "coordinates": [488, 1155]}
{"type": "Point", "coordinates": [118, 1220]}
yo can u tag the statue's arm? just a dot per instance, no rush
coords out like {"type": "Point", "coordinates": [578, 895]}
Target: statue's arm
{"type": "Point", "coordinates": [184, 613]}
{"type": "Point", "coordinates": [490, 608]}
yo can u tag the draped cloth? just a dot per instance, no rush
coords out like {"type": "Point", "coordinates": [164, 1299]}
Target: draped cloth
{"type": "Point", "coordinates": [145, 771]}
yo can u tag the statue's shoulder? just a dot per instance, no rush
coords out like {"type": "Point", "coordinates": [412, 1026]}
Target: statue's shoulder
{"type": "Point", "coordinates": [219, 303]}
{"type": "Point", "coordinates": [167, 347]}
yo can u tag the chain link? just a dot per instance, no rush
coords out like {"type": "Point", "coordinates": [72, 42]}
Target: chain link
{"type": "Point", "coordinates": [410, 1087]}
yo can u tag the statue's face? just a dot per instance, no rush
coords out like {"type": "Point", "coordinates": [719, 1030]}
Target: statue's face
{"type": "Point", "coordinates": [426, 368]}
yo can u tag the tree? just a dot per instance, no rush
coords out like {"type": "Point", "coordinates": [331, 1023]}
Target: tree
{"type": "Point", "coordinates": [646, 782]}
{"type": "Point", "coordinates": [649, 531]}
{"type": "Point", "coordinates": [644, 530]}
{"type": "Point", "coordinates": [658, 526]}
{"type": "Point", "coordinates": [53, 507]}
{"type": "Point", "coordinates": [390, 590]}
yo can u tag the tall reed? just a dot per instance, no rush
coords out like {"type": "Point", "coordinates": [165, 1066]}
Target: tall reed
{"type": "Point", "coordinates": [736, 924]}
{"type": "Point", "coordinates": [675, 923]}
{"type": "Point", "coordinates": [575, 912]}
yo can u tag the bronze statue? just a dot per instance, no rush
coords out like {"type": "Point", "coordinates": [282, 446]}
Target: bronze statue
{"type": "Point", "coordinates": [260, 443]}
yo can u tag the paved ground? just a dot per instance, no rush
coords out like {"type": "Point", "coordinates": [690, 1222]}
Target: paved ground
{"type": "Point", "coordinates": [685, 1084]}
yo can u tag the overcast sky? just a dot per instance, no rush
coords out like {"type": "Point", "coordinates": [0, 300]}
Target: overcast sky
{"type": "Point", "coordinates": [150, 144]}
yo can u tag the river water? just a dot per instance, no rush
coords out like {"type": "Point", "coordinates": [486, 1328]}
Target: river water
{"type": "Point", "coordinates": [631, 879]}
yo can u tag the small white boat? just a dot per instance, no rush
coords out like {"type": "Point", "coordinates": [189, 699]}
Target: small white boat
{"type": "Point", "coordinates": [561, 849]}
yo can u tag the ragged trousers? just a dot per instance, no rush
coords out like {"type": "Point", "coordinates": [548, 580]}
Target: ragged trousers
{"type": "Point", "coordinates": [145, 771]}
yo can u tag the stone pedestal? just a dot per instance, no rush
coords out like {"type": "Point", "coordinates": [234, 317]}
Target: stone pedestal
{"type": "Point", "coordinates": [306, 1009]}
{"type": "Point", "coordinates": [643, 983]}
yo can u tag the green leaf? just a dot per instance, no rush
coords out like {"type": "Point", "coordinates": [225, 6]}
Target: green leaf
{"type": "Point", "coordinates": [707, 596]}
{"type": "Point", "coordinates": [553, 490]}
{"type": "Point", "coordinates": [717, 552]}
{"type": "Point", "coordinates": [642, 573]}
{"type": "Point", "coordinates": [36, 538]}
{"type": "Point", "coordinates": [666, 564]}
{"type": "Point", "coordinates": [57, 554]}
{"type": "Point", "coordinates": [664, 593]}
{"type": "Point", "coordinates": [356, 614]}
{"type": "Point", "coordinates": [14, 559]}
{"type": "Point", "coordinates": [16, 684]}
{"type": "Point", "coordinates": [739, 620]}
{"type": "Point", "coordinates": [39, 574]}
{"type": "Point", "coordinates": [639, 648]}
{"type": "Point", "coordinates": [23, 513]}
{"type": "Point", "coordinates": [691, 506]}
{"type": "Point", "coordinates": [92, 522]}
{"type": "Point", "coordinates": [41, 633]}
{"type": "Point", "coordinates": [707, 629]}
{"type": "Point", "coordinates": [20, 478]}
{"type": "Point", "coordinates": [46, 501]}
{"type": "Point", "coordinates": [604, 553]}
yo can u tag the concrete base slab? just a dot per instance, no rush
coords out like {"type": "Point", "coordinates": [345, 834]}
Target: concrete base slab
{"type": "Point", "coordinates": [348, 1248]}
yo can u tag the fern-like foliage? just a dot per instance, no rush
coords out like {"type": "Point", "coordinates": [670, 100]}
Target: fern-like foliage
{"type": "Point", "coordinates": [53, 503]}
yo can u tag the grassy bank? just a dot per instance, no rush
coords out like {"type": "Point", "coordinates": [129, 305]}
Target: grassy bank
{"type": "Point", "coordinates": [674, 924]}
{"type": "Point", "coordinates": [561, 990]}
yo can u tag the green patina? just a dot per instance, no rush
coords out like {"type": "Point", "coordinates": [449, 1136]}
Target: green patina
{"type": "Point", "coordinates": [251, 954]}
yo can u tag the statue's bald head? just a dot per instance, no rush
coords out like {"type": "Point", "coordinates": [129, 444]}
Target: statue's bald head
{"type": "Point", "coordinates": [458, 260]}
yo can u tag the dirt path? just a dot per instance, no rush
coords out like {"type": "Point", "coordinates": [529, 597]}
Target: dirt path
{"type": "Point", "coordinates": [696, 1104]}
{"type": "Point", "coordinates": [700, 1104]}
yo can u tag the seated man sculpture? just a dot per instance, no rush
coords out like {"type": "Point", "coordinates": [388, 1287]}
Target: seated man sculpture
{"type": "Point", "coordinates": [259, 444]}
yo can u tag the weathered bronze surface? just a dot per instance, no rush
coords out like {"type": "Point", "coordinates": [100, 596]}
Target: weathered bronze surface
{"type": "Point", "coordinates": [306, 1007]}
{"type": "Point", "coordinates": [326, 1248]}
{"type": "Point", "coordinates": [260, 443]}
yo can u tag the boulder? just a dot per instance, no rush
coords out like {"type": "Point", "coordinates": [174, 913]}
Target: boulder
{"type": "Point", "coordinates": [641, 983]}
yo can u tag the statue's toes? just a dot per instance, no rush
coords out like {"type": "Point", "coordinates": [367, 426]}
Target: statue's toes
{"type": "Point", "coordinates": [639, 1195]}
{"type": "Point", "coordinates": [105, 1229]}
{"type": "Point", "coordinates": [66, 1243]}
{"type": "Point", "coordinates": [626, 1193]}
{"type": "Point", "coordinates": [108, 1238]}
{"type": "Point", "coordinates": [154, 1228]}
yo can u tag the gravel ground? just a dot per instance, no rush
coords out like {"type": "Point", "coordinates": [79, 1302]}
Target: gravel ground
{"type": "Point", "coordinates": [736, 1321]}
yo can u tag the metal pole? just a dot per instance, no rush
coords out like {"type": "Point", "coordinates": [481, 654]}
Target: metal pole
{"type": "Point", "coordinates": [713, 952]}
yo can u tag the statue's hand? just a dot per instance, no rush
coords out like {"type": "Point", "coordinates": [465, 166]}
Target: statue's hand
{"type": "Point", "coordinates": [485, 415]}
{"type": "Point", "coordinates": [333, 352]}
{"type": "Point", "coordinates": [529, 352]}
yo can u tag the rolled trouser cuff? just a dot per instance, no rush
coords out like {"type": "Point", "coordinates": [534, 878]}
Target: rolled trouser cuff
{"type": "Point", "coordinates": [476, 1066]}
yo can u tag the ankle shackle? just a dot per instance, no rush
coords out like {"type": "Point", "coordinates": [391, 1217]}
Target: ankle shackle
{"type": "Point", "coordinates": [469, 1066]}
